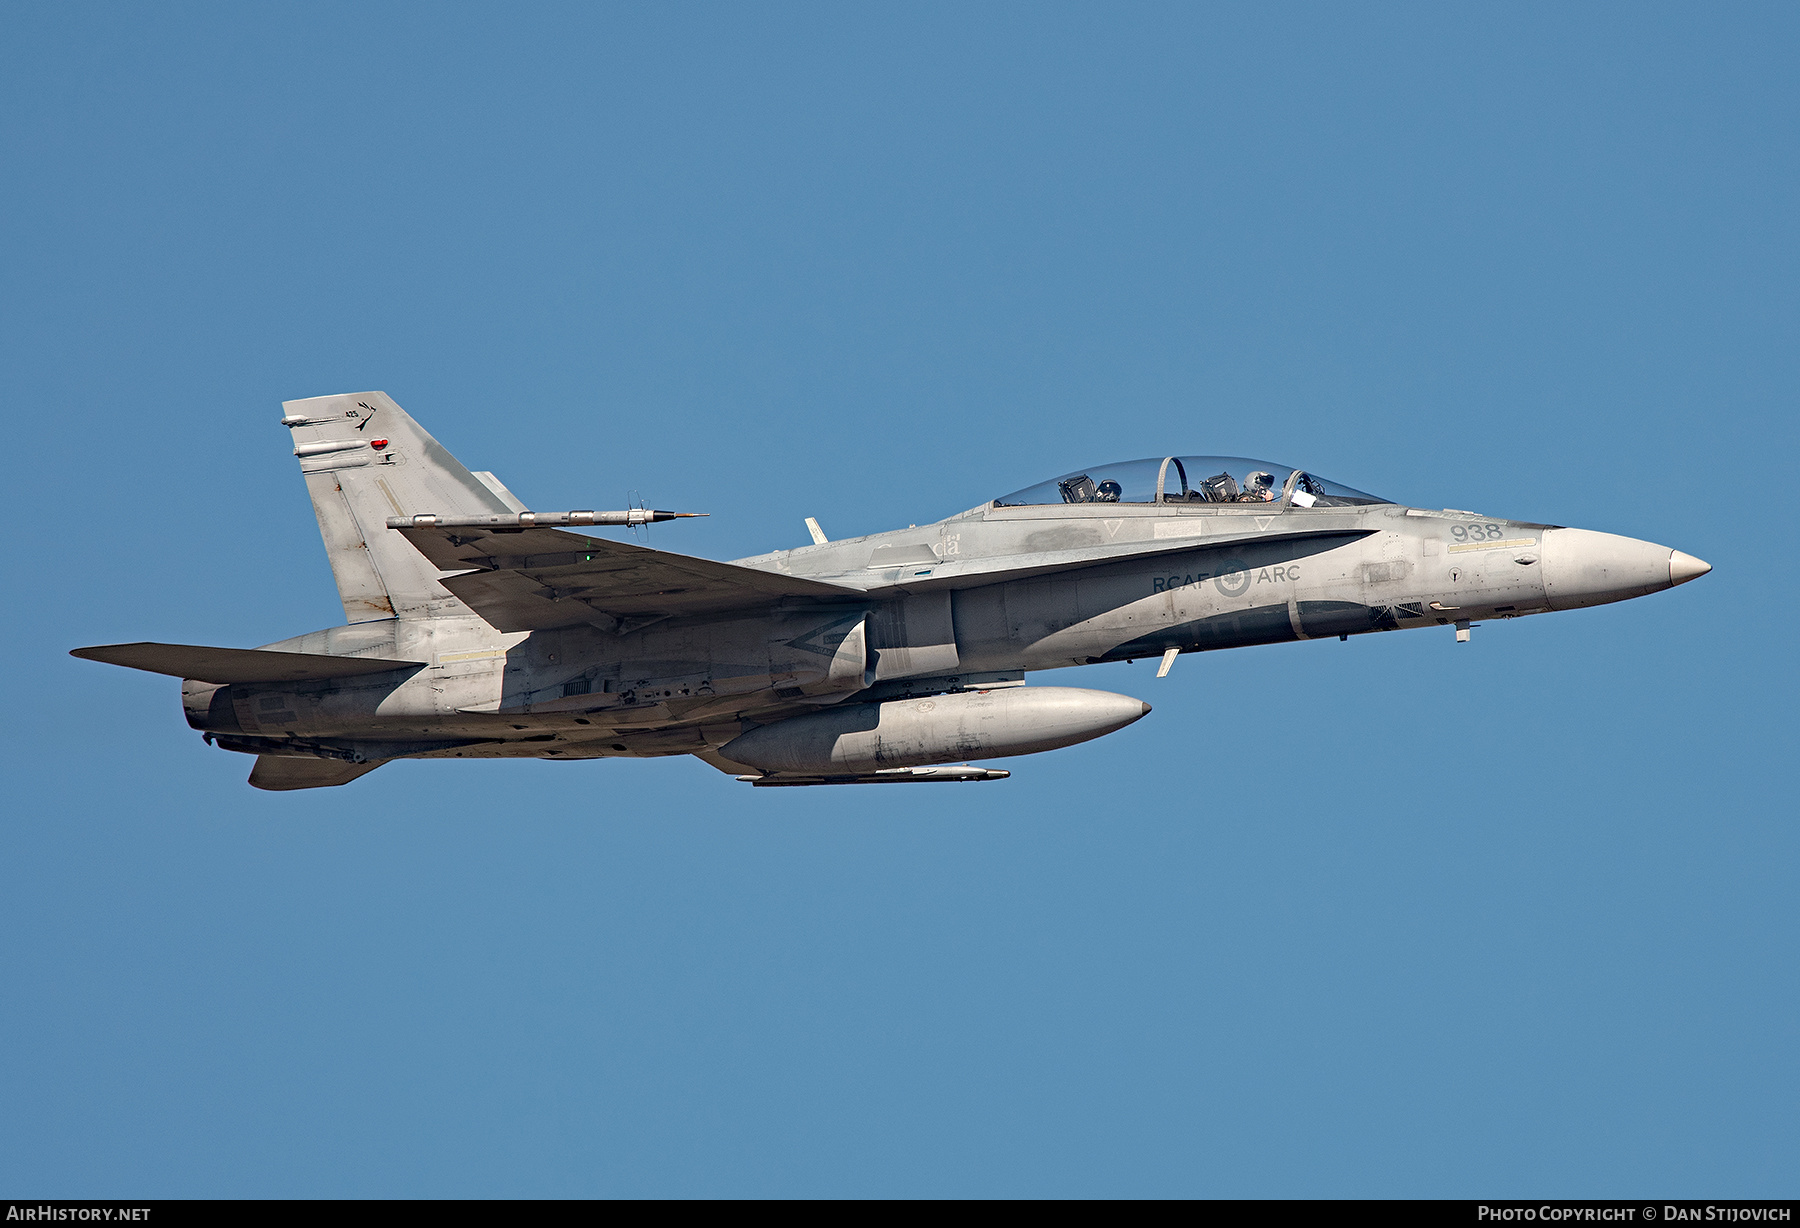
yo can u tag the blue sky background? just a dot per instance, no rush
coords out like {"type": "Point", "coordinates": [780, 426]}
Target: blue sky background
{"type": "Point", "coordinates": [1391, 917]}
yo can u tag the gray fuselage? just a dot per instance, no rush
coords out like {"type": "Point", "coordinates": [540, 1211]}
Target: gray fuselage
{"type": "Point", "coordinates": [971, 602]}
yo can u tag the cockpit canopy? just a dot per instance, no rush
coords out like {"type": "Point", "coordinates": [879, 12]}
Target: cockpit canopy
{"type": "Point", "coordinates": [1189, 479]}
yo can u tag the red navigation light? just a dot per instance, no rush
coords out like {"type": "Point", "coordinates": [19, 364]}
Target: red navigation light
{"type": "Point", "coordinates": [378, 443]}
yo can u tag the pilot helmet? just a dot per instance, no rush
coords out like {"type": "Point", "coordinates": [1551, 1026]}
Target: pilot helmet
{"type": "Point", "coordinates": [1109, 491]}
{"type": "Point", "coordinates": [1261, 479]}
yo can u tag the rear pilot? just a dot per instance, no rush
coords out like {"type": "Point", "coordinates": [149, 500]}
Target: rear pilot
{"type": "Point", "coordinates": [1259, 487]}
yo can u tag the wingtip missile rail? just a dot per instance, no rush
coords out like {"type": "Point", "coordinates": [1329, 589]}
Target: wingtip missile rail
{"type": "Point", "coordinates": [632, 518]}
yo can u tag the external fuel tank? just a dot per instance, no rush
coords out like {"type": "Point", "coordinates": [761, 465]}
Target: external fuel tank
{"type": "Point", "coordinates": [862, 738]}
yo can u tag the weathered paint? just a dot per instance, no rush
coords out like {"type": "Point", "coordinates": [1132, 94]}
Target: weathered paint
{"type": "Point", "coordinates": [931, 609]}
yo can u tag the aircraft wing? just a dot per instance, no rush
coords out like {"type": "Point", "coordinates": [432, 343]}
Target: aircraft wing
{"type": "Point", "coordinates": [534, 579]}
{"type": "Point", "coordinates": [992, 570]}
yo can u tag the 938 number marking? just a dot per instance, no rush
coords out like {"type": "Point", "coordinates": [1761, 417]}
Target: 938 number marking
{"type": "Point", "coordinates": [1476, 532]}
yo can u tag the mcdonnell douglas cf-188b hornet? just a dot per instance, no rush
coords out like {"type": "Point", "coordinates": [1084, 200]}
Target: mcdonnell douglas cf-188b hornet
{"type": "Point", "coordinates": [477, 629]}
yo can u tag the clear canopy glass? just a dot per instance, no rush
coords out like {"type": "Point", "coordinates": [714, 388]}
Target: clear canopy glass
{"type": "Point", "coordinates": [1189, 479]}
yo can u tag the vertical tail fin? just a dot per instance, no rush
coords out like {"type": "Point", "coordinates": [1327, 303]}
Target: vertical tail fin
{"type": "Point", "coordinates": [364, 460]}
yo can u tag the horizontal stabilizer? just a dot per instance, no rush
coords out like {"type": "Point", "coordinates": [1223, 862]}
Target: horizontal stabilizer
{"type": "Point", "coordinates": [225, 665]}
{"type": "Point", "coordinates": [281, 773]}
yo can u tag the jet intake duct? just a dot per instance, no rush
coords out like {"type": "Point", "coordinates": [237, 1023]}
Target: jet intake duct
{"type": "Point", "coordinates": [863, 738]}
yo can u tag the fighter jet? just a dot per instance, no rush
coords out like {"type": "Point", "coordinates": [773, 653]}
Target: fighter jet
{"type": "Point", "coordinates": [476, 628]}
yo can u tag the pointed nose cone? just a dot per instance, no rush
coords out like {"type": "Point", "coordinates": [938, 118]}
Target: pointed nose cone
{"type": "Point", "coordinates": [1685, 567]}
{"type": "Point", "coordinates": [1583, 568]}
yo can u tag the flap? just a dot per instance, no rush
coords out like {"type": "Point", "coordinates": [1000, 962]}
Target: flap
{"type": "Point", "coordinates": [532, 579]}
{"type": "Point", "coordinates": [281, 773]}
{"type": "Point", "coordinates": [227, 665]}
